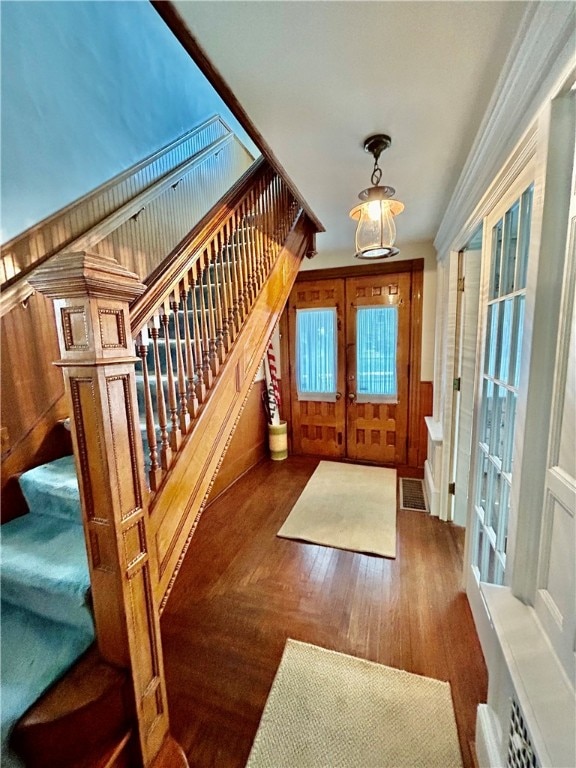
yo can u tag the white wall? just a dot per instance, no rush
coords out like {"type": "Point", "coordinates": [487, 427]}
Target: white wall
{"type": "Point", "coordinates": [415, 250]}
{"type": "Point", "coordinates": [88, 89]}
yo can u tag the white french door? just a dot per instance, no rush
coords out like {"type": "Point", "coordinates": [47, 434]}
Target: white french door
{"type": "Point", "coordinates": [507, 234]}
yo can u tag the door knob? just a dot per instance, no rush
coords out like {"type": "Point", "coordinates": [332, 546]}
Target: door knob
{"type": "Point", "coordinates": [351, 397]}
{"type": "Point", "coordinates": [338, 395]}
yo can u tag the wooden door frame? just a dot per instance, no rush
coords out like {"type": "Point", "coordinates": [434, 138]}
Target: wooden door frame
{"type": "Point", "coordinates": [416, 268]}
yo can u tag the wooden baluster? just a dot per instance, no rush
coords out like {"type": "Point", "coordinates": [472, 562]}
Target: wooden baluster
{"type": "Point", "coordinates": [238, 258]}
{"type": "Point", "coordinates": [229, 285]}
{"type": "Point", "coordinates": [205, 336]}
{"type": "Point", "coordinates": [183, 415]}
{"type": "Point", "coordinates": [222, 291]}
{"type": "Point", "coordinates": [192, 402]}
{"type": "Point", "coordinates": [91, 296]}
{"type": "Point", "coordinates": [269, 254]}
{"type": "Point", "coordinates": [155, 471]}
{"type": "Point", "coordinates": [272, 239]}
{"type": "Point", "coordinates": [231, 277]}
{"type": "Point", "coordinates": [288, 208]}
{"type": "Point", "coordinates": [249, 250]}
{"type": "Point", "coordinates": [238, 316]}
{"type": "Point", "coordinates": [227, 262]}
{"type": "Point", "coordinates": [278, 213]}
{"type": "Point", "coordinates": [243, 256]}
{"type": "Point", "coordinates": [165, 450]}
{"type": "Point", "coordinates": [259, 236]}
{"type": "Point", "coordinates": [212, 345]}
{"type": "Point", "coordinates": [175, 438]}
{"type": "Point", "coordinates": [196, 310]}
{"type": "Point", "coordinates": [264, 230]}
{"type": "Point", "coordinates": [252, 242]}
{"type": "Point", "coordinates": [283, 212]}
{"type": "Point", "coordinates": [221, 349]}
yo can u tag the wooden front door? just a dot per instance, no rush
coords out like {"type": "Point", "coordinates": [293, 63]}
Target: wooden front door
{"type": "Point", "coordinates": [377, 354]}
{"type": "Point", "coordinates": [318, 417]}
{"type": "Point", "coordinates": [349, 342]}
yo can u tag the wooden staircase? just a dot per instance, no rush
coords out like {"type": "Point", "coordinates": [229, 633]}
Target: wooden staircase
{"type": "Point", "coordinates": [212, 306]}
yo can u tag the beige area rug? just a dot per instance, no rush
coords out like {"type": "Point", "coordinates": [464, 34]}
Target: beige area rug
{"type": "Point", "coordinates": [347, 506]}
{"type": "Point", "coordinates": [329, 710]}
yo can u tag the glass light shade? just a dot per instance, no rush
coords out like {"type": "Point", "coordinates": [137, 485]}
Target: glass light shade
{"type": "Point", "coordinates": [376, 230]}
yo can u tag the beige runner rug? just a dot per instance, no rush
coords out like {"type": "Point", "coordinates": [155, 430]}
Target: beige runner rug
{"type": "Point", "coordinates": [347, 506]}
{"type": "Point", "coordinates": [329, 710]}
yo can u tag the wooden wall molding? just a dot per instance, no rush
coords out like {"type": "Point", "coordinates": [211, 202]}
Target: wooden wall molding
{"type": "Point", "coordinates": [381, 268]}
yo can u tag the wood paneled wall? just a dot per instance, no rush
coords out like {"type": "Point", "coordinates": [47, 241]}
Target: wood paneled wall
{"type": "Point", "coordinates": [33, 402]}
{"type": "Point", "coordinates": [248, 446]}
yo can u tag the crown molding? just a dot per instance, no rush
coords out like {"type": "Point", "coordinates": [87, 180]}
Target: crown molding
{"type": "Point", "coordinates": [542, 54]}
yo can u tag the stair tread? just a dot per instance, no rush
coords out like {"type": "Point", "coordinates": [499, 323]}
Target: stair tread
{"type": "Point", "coordinates": [45, 567]}
{"type": "Point", "coordinates": [52, 489]}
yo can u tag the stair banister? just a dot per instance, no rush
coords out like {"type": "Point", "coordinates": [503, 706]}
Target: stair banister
{"type": "Point", "coordinates": [91, 295]}
{"type": "Point", "coordinates": [245, 257]}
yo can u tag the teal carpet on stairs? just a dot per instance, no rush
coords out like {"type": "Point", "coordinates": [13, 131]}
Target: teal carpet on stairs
{"type": "Point", "coordinates": [45, 569]}
{"type": "Point", "coordinates": [46, 621]}
{"type": "Point", "coordinates": [52, 489]}
{"type": "Point", "coordinates": [35, 653]}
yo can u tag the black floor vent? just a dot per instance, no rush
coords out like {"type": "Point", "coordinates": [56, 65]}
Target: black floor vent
{"type": "Point", "coordinates": [412, 495]}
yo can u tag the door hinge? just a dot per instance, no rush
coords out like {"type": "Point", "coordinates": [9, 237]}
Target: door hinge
{"type": "Point", "coordinates": [461, 281]}
{"type": "Point", "coordinates": [456, 384]}
{"type": "Point", "coordinates": [452, 489]}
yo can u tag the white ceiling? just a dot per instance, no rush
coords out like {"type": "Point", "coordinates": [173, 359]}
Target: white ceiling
{"type": "Point", "coordinates": [316, 77]}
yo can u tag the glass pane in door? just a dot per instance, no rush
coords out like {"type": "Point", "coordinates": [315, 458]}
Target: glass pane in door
{"type": "Point", "coordinates": [500, 380]}
{"type": "Point", "coordinates": [376, 343]}
{"type": "Point", "coordinates": [316, 354]}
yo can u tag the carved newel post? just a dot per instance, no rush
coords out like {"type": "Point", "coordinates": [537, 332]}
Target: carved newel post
{"type": "Point", "coordinates": [91, 296]}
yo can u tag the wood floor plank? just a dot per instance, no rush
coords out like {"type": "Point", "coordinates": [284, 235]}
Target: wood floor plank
{"type": "Point", "coordinates": [242, 591]}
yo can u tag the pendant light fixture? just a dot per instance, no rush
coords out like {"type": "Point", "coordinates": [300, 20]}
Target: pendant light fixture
{"type": "Point", "coordinates": [376, 230]}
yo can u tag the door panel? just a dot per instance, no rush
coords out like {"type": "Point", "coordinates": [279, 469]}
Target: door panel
{"type": "Point", "coordinates": [377, 426]}
{"type": "Point", "coordinates": [318, 425]}
{"type": "Point", "coordinates": [351, 422]}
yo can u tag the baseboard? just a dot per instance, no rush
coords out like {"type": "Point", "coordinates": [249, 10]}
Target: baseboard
{"type": "Point", "coordinates": [488, 738]}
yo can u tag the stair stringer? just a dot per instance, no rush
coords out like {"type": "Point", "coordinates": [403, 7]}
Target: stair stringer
{"type": "Point", "coordinates": [178, 505]}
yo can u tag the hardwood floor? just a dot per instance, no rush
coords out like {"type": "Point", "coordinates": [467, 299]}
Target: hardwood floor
{"type": "Point", "coordinates": [242, 592]}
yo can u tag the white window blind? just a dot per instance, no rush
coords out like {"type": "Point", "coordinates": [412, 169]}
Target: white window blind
{"type": "Point", "coordinates": [316, 354]}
